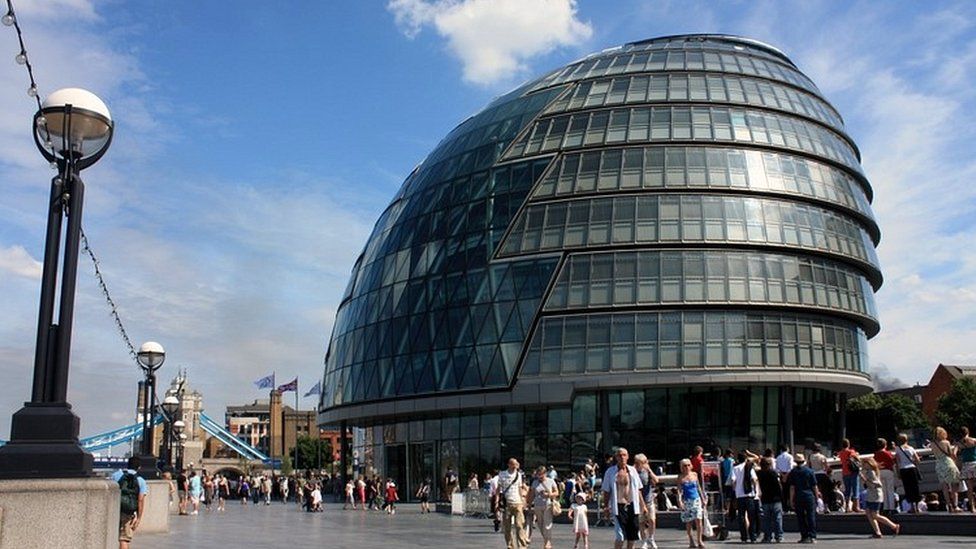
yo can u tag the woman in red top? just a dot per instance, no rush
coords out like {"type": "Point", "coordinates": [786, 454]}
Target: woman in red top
{"type": "Point", "coordinates": [852, 485]}
{"type": "Point", "coordinates": [886, 463]}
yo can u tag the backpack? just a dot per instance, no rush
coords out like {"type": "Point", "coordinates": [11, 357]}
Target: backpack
{"type": "Point", "coordinates": [853, 465]}
{"type": "Point", "coordinates": [129, 488]}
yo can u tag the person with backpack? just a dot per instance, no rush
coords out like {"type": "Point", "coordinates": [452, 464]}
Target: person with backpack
{"type": "Point", "coordinates": [745, 481]}
{"type": "Point", "coordinates": [132, 491]}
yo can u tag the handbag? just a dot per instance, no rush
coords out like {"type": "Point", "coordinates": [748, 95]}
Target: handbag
{"type": "Point", "coordinates": [557, 509]}
{"type": "Point", "coordinates": [708, 530]}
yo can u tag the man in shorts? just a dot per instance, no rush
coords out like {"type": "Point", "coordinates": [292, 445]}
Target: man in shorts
{"type": "Point", "coordinates": [133, 490]}
{"type": "Point", "coordinates": [622, 499]}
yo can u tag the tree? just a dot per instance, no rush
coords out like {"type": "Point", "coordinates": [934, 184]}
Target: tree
{"type": "Point", "coordinates": [286, 467]}
{"type": "Point", "coordinates": [957, 408]}
{"type": "Point", "coordinates": [871, 416]}
{"type": "Point", "coordinates": [311, 453]}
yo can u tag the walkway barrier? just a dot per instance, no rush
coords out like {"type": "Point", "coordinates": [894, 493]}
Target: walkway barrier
{"type": "Point", "coordinates": [476, 504]}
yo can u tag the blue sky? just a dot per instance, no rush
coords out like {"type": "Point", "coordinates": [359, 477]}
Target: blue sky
{"type": "Point", "coordinates": [257, 144]}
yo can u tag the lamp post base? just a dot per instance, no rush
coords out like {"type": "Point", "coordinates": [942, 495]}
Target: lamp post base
{"type": "Point", "coordinates": [44, 444]}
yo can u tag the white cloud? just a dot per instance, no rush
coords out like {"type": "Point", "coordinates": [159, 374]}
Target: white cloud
{"type": "Point", "coordinates": [494, 39]}
{"type": "Point", "coordinates": [16, 260]}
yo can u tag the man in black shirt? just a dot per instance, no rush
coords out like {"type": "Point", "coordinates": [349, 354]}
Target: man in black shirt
{"type": "Point", "coordinates": [771, 497]}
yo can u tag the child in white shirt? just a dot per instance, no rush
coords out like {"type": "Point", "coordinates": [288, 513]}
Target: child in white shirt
{"type": "Point", "coordinates": [581, 525]}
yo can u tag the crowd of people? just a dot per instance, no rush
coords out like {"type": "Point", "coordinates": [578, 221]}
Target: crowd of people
{"type": "Point", "coordinates": [750, 490]}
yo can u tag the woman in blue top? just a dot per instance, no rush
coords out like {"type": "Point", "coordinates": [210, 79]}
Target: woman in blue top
{"type": "Point", "coordinates": [691, 501]}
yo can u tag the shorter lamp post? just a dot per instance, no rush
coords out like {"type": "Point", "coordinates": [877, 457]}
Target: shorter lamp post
{"type": "Point", "coordinates": [151, 356]}
{"type": "Point", "coordinates": [178, 436]}
{"type": "Point", "coordinates": [181, 440]}
{"type": "Point", "coordinates": [170, 406]}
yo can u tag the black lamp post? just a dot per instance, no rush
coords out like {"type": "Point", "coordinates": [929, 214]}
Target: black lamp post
{"type": "Point", "coordinates": [170, 406]}
{"type": "Point", "coordinates": [151, 356]}
{"type": "Point", "coordinates": [72, 130]}
{"type": "Point", "coordinates": [180, 441]}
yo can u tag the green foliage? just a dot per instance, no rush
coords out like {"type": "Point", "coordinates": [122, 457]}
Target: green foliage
{"type": "Point", "coordinates": [871, 416]}
{"type": "Point", "coordinates": [311, 453]}
{"type": "Point", "coordinates": [957, 408]}
{"type": "Point", "coordinates": [286, 466]}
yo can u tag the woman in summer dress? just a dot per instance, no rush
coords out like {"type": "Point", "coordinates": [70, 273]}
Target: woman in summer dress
{"type": "Point", "coordinates": [691, 504]}
{"type": "Point", "coordinates": [946, 468]}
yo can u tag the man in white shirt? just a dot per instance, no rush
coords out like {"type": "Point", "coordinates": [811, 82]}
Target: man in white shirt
{"type": "Point", "coordinates": [785, 464]}
{"type": "Point", "coordinates": [746, 483]}
{"type": "Point", "coordinates": [622, 499]}
{"type": "Point", "coordinates": [511, 494]}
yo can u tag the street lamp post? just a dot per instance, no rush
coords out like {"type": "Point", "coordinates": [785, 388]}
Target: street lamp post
{"type": "Point", "coordinates": [170, 406]}
{"type": "Point", "coordinates": [73, 130]}
{"type": "Point", "coordinates": [181, 440]}
{"type": "Point", "coordinates": [151, 356]}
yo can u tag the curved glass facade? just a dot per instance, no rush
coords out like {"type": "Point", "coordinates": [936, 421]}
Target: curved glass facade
{"type": "Point", "coordinates": [677, 228]}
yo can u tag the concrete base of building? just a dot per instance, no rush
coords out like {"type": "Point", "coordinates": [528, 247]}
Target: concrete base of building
{"type": "Point", "coordinates": [80, 513]}
{"type": "Point", "coordinates": [156, 512]}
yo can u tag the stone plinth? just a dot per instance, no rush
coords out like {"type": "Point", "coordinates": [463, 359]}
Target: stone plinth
{"type": "Point", "coordinates": [156, 511]}
{"type": "Point", "coordinates": [77, 513]}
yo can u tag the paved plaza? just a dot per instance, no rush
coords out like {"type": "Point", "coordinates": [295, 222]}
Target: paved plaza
{"type": "Point", "coordinates": [278, 524]}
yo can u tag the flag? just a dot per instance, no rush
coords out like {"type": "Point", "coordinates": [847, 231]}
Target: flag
{"type": "Point", "coordinates": [292, 386]}
{"type": "Point", "coordinates": [315, 390]}
{"type": "Point", "coordinates": [265, 382]}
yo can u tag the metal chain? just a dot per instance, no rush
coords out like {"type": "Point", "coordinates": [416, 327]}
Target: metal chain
{"type": "Point", "coordinates": [108, 298]}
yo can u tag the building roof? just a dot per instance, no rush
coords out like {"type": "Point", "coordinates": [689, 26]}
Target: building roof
{"type": "Point", "coordinates": [259, 406]}
{"type": "Point", "coordinates": [958, 370]}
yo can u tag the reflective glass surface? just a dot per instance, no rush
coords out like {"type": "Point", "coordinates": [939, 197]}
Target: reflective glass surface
{"type": "Point", "coordinates": [698, 189]}
{"type": "Point", "coordinates": [707, 88]}
{"type": "Point", "coordinates": [730, 61]}
{"type": "Point", "coordinates": [691, 219]}
{"type": "Point", "coordinates": [690, 340]}
{"type": "Point", "coordinates": [655, 124]}
{"type": "Point", "coordinates": [707, 168]}
{"type": "Point", "coordinates": [652, 278]}
{"type": "Point", "coordinates": [425, 312]}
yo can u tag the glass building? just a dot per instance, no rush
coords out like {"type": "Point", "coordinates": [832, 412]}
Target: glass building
{"type": "Point", "coordinates": [663, 244]}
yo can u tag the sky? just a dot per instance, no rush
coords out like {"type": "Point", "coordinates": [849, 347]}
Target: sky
{"type": "Point", "coordinates": [255, 147]}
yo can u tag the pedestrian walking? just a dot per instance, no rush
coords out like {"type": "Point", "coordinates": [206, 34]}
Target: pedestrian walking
{"type": "Point", "coordinates": [244, 490]}
{"type": "Point", "coordinates": [391, 497]}
{"type": "Point", "coordinates": [691, 501]}
{"type": "Point", "coordinates": [804, 494]}
{"type": "Point", "coordinates": [745, 481]}
{"type": "Point", "coordinates": [423, 494]}
{"type": "Point", "coordinates": [648, 520]}
{"type": "Point", "coordinates": [223, 493]}
{"type": "Point", "coordinates": [181, 487]}
{"type": "Point", "coordinates": [196, 492]}
{"type": "Point", "coordinates": [850, 468]}
{"type": "Point", "coordinates": [946, 468]}
{"type": "Point", "coordinates": [512, 492]}
{"type": "Point", "coordinates": [132, 498]}
{"type": "Point", "coordinates": [350, 500]}
{"type": "Point", "coordinates": [771, 497]}
{"type": "Point", "coordinates": [361, 492]}
{"type": "Point", "coordinates": [874, 497]}
{"type": "Point", "coordinates": [581, 522]}
{"type": "Point", "coordinates": [544, 492]}
{"type": "Point", "coordinates": [622, 500]}
{"type": "Point", "coordinates": [266, 489]}
{"type": "Point", "coordinates": [967, 468]}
